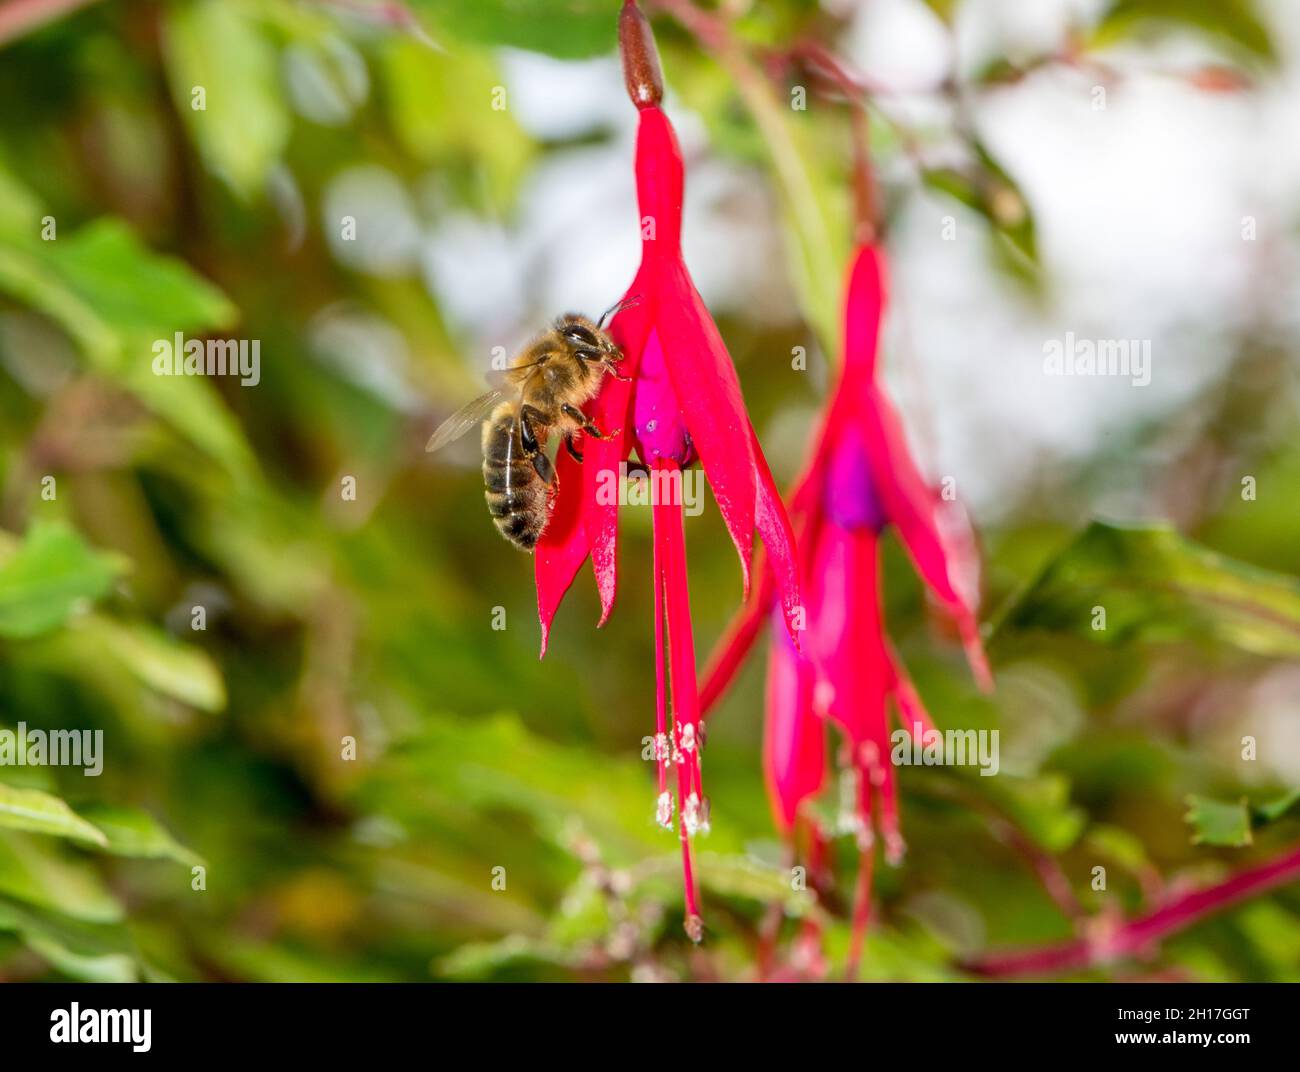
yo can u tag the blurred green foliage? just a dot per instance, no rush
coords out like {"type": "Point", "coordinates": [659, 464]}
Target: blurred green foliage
{"type": "Point", "coordinates": [322, 782]}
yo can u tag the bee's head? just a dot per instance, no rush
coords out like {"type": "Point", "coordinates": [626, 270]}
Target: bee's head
{"type": "Point", "coordinates": [587, 341]}
{"type": "Point", "coordinates": [581, 333]}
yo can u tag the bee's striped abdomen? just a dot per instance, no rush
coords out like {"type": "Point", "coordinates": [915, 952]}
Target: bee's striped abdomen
{"type": "Point", "coordinates": [516, 495]}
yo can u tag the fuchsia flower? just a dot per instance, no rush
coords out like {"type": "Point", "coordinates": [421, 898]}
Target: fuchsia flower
{"type": "Point", "coordinates": [680, 401]}
{"type": "Point", "coordinates": [860, 478]}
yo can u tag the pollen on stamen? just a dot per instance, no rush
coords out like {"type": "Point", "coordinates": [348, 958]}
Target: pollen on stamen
{"type": "Point", "coordinates": [869, 756]}
{"type": "Point", "coordinates": [850, 822]}
{"type": "Point", "coordinates": [664, 811]}
{"type": "Point", "coordinates": [691, 815]}
{"type": "Point", "coordinates": [705, 808]}
{"type": "Point", "coordinates": [688, 737]}
{"type": "Point", "coordinates": [662, 752]}
{"type": "Point", "coordinates": [895, 848]}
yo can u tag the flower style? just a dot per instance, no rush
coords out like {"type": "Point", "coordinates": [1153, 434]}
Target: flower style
{"type": "Point", "coordinates": [678, 401]}
{"type": "Point", "coordinates": [861, 477]}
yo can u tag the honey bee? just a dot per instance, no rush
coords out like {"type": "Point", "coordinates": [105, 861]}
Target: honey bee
{"type": "Point", "coordinates": [541, 393]}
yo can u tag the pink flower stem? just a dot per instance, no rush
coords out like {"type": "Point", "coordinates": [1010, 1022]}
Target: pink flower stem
{"type": "Point", "coordinates": [1142, 935]}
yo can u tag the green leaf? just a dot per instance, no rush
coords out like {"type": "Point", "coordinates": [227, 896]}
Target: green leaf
{"type": "Point", "coordinates": [161, 663]}
{"type": "Point", "coordinates": [48, 577]}
{"type": "Point", "coordinates": [1119, 845]}
{"type": "Point", "coordinates": [515, 956]}
{"type": "Point", "coordinates": [1008, 211]}
{"type": "Point", "coordinates": [570, 29]}
{"type": "Point", "coordinates": [1039, 806]}
{"type": "Point", "coordinates": [85, 967]}
{"type": "Point", "coordinates": [1218, 823]}
{"type": "Point", "coordinates": [132, 832]}
{"type": "Point", "coordinates": [77, 282]}
{"type": "Point", "coordinates": [165, 294]}
{"type": "Point", "coordinates": [27, 275]}
{"type": "Point", "coordinates": [501, 764]}
{"type": "Point", "coordinates": [20, 208]}
{"type": "Point", "coordinates": [986, 188]}
{"type": "Point", "coordinates": [42, 813]}
{"type": "Point", "coordinates": [742, 876]}
{"type": "Point", "coordinates": [1274, 932]}
{"type": "Point", "coordinates": [216, 45]}
{"type": "Point", "coordinates": [1278, 808]}
{"type": "Point", "coordinates": [92, 954]}
{"type": "Point", "coordinates": [1157, 587]}
{"type": "Point", "coordinates": [1235, 22]}
{"type": "Point", "coordinates": [32, 872]}
{"type": "Point", "coordinates": [482, 152]}
{"type": "Point", "coordinates": [194, 407]}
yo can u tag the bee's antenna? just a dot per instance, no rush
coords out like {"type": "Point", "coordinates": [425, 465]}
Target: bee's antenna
{"type": "Point", "coordinates": [617, 307]}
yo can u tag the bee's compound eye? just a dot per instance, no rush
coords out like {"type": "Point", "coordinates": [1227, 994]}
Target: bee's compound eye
{"type": "Point", "coordinates": [579, 334]}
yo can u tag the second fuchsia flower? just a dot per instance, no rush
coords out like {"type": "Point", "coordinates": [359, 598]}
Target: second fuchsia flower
{"type": "Point", "coordinates": [861, 477]}
{"type": "Point", "coordinates": [680, 402]}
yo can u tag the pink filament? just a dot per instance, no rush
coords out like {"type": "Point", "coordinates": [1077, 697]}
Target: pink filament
{"type": "Point", "coordinates": [661, 704]}
{"type": "Point", "coordinates": [670, 548]}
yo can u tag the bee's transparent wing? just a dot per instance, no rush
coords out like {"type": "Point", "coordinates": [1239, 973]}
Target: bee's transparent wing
{"type": "Point", "coordinates": [501, 379]}
{"type": "Point", "coordinates": [465, 418]}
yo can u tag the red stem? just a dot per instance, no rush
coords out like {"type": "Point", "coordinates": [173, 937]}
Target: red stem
{"type": "Point", "coordinates": [861, 912]}
{"type": "Point", "coordinates": [1049, 872]}
{"type": "Point", "coordinates": [1142, 935]}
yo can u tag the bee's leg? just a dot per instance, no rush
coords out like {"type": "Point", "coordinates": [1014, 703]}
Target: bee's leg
{"type": "Point", "coordinates": [532, 445]}
{"type": "Point", "coordinates": [544, 467]}
{"type": "Point", "coordinates": [584, 422]}
{"type": "Point", "coordinates": [573, 451]}
{"type": "Point", "coordinates": [528, 434]}
{"type": "Point", "coordinates": [601, 358]}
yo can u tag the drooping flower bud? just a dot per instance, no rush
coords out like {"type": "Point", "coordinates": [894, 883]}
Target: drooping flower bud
{"type": "Point", "coordinates": [636, 44]}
